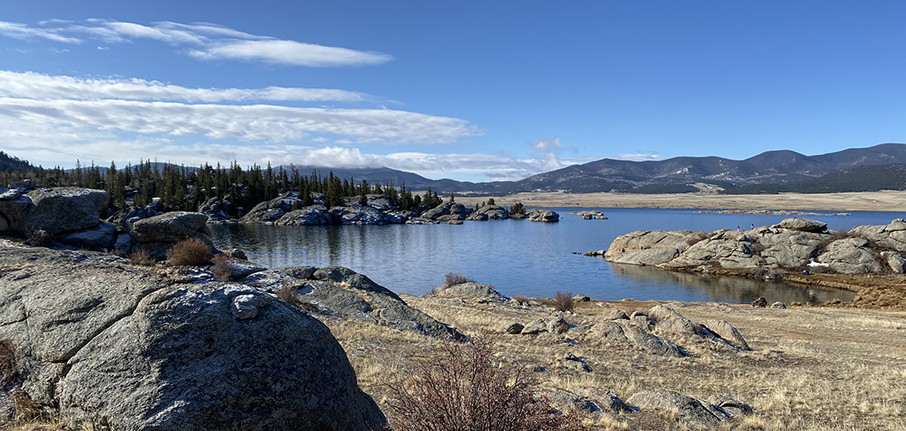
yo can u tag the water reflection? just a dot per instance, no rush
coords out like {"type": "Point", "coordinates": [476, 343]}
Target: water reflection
{"type": "Point", "coordinates": [729, 289]}
{"type": "Point", "coordinates": [517, 257]}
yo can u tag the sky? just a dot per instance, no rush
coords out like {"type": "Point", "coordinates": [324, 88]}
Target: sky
{"type": "Point", "coordinates": [468, 90]}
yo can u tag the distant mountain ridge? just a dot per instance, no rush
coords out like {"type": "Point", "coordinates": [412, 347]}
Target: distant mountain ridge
{"type": "Point", "coordinates": [772, 167]}
{"type": "Point", "coordinates": [768, 172]}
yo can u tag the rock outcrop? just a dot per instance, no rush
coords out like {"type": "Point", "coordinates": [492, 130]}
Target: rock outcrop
{"type": "Point", "coordinates": [57, 210]}
{"type": "Point", "coordinates": [795, 244]}
{"type": "Point", "coordinates": [445, 212]}
{"type": "Point", "coordinates": [66, 215]}
{"type": "Point", "coordinates": [271, 211]}
{"type": "Point", "coordinates": [489, 212]}
{"type": "Point", "coordinates": [216, 210]}
{"type": "Point", "coordinates": [121, 348]}
{"type": "Point", "coordinates": [157, 234]}
{"type": "Point", "coordinates": [539, 215]}
{"type": "Point", "coordinates": [662, 331]}
{"type": "Point", "coordinates": [470, 288]}
{"type": "Point", "coordinates": [341, 292]}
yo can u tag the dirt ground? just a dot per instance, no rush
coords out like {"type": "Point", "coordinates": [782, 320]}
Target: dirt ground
{"type": "Point", "coordinates": [863, 201]}
{"type": "Point", "coordinates": [810, 368]}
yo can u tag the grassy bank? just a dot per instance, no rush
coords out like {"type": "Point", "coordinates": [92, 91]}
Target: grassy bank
{"type": "Point", "coordinates": [811, 368]}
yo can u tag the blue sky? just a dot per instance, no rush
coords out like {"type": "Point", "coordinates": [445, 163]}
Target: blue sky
{"type": "Point", "coordinates": [465, 90]}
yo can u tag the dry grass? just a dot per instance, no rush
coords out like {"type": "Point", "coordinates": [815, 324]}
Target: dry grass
{"type": "Point", "coordinates": [288, 294]}
{"type": "Point", "coordinates": [8, 372]}
{"type": "Point", "coordinates": [564, 301]}
{"type": "Point", "coordinates": [141, 258]}
{"type": "Point", "coordinates": [812, 368]}
{"type": "Point", "coordinates": [452, 279]}
{"type": "Point", "coordinates": [189, 252]}
{"type": "Point", "coordinates": [223, 269]}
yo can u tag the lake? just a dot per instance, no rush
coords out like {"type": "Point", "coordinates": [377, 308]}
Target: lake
{"type": "Point", "coordinates": [524, 258]}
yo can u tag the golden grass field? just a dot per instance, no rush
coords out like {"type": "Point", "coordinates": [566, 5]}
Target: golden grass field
{"type": "Point", "coordinates": [811, 368]}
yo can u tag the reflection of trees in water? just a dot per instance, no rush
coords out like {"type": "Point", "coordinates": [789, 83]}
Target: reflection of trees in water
{"type": "Point", "coordinates": [729, 289]}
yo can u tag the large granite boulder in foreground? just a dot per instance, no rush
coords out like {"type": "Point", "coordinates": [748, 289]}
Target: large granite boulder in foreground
{"type": "Point", "coordinates": [111, 346]}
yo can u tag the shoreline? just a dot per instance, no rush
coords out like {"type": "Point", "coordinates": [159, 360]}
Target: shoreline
{"type": "Point", "coordinates": [883, 201]}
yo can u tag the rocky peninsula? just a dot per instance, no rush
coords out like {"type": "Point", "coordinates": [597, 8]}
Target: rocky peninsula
{"type": "Point", "coordinates": [90, 339]}
{"type": "Point", "coordinates": [288, 210]}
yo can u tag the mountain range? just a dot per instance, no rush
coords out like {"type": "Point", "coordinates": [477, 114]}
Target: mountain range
{"type": "Point", "coordinates": [856, 169]}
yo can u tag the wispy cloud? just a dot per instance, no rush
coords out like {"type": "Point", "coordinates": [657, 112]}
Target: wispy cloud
{"type": "Point", "coordinates": [25, 32]}
{"type": "Point", "coordinates": [245, 122]}
{"type": "Point", "coordinates": [639, 157]}
{"type": "Point", "coordinates": [289, 52]}
{"type": "Point", "coordinates": [40, 86]}
{"type": "Point", "coordinates": [201, 40]}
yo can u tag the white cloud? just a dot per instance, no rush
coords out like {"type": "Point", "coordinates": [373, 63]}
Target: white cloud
{"type": "Point", "coordinates": [245, 122]}
{"type": "Point", "coordinates": [206, 42]}
{"type": "Point", "coordinates": [639, 157]}
{"type": "Point", "coordinates": [39, 86]}
{"type": "Point", "coordinates": [549, 150]}
{"type": "Point", "coordinates": [23, 31]}
{"type": "Point", "coordinates": [290, 52]}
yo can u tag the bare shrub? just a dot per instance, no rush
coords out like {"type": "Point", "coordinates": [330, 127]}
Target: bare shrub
{"type": "Point", "coordinates": [191, 251]}
{"type": "Point", "coordinates": [564, 301]}
{"type": "Point", "coordinates": [37, 238]}
{"type": "Point", "coordinates": [452, 279]}
{"type": "Point", "coordinates": [26, 408]}
{"type": "Point", "coordinates": [288, 294]}
{"type": "Point", "coordinates": [461, 388]}
{"type": "Point", "coordinates": [223, 268]}
{"type": "Point", "coordinates": [141, 257]}
{"type": "Point", "coordinates": [8, 372]}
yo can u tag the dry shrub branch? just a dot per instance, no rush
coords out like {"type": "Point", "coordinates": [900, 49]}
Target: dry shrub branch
{"type": "Point", "coordinates": [564, 301]}
{"type": "Point", "coordinates": [191, 251]}
{"type": "Point", "coordinates": [461, 388]}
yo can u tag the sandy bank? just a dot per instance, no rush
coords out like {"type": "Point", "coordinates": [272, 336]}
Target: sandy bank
{"type": "Point", "coordinates": [864, 201]}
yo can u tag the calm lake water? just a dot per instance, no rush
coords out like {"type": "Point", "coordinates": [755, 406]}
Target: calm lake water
{"type": "Point", "coordinates": [524, 258]}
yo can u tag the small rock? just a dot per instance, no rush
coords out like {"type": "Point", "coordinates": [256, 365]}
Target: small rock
{"type": "Point", "coordinates": [617, 314]}
{"type": "Point", "coordinates": [581, 298]}
{"type": "Point", "coordinates": [237, 253]}
{"type": "Point", "coordinates": [514, 328]}
{"type": "Point", "coordinates": [246, 306]}
{"type": "Point", "coordinates": [731, 406]}
{"type": "Point", "coordinates": [536, 326]}
{"type": "Point", "coordinates": [610, 331]}
{"type": "Point", "coordinates": [778, 304]}
{"type": "Point", "coordinates": [760, 302]}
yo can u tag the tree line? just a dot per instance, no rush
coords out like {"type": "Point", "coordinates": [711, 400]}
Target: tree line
{"type": "Point", "coordinates": [180, 188]}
